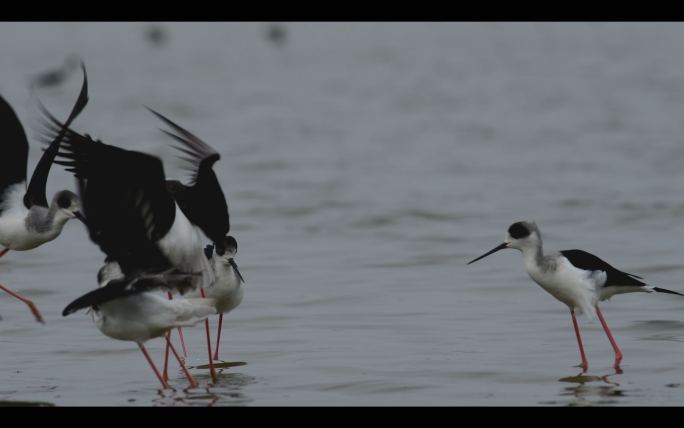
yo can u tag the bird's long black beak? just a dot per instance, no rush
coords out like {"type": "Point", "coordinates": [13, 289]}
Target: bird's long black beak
{"type": "Point", "coordinates": [500, 247]}
{"type": "Point", "coordinates": [80, 216]}
{"type": "Point", "coordinates": [235, 268]}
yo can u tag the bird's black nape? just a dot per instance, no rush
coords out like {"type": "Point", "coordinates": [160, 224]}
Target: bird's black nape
{"type": "Point", "coordinates": [519, 230]}
{"type": "Point", "coordinates": [35, 193]}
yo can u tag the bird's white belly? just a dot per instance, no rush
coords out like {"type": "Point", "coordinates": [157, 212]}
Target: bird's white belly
{"type": "Point", "coordinates": [15, 236]}
{"type": "Point", "coordinates": [226, 290]}
{"type": "Point", "coordinates": [130, 318]}
{"type": "Point", "coordinates": [569, 285]}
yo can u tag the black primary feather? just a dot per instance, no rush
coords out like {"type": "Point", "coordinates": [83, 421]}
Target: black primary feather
{"type": "Point", "coordinates": [35, 193]}
{"type": "Point", "coordinates": [203, 201]}
{"type": "Point", "coordinates": [14, 148]}
{"type": "Point", "coordinates": [124, 199]}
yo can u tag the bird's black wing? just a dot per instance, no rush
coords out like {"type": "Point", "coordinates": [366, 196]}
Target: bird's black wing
{"type": "Point", "coordinates": [203, 201]}
{"type": "Point", "coordinates": [587, 261]}
{"type": "Point", "coordinates": [14, 149]}
{"type": "Point", "coordinates": [124, 197]}
{"type": "Point", "coordinates": [35, 194]}
{"type": "Point", "coordinates": [115, 289]}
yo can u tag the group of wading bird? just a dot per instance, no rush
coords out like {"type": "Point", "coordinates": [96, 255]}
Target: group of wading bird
{"type": "Point", "coordinates": [153, 232]}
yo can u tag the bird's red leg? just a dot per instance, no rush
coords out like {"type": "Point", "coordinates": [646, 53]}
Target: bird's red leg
{"type": "Point", "coordinates": [3, 252]}
{"type": "Point", "coordinates": [618, 354]}
{"type": "Point", "coordinates": [166, 352]}
{"type": "Point", "coordinates": [182, 341]}
{"type": "Point", "coordinates": [193, 382]}
{"type": "Point", "coordinates": [180, 334]}
{"type": "Point", "coordinates": [212, 370]}
{"type": "Point", "coordinates": [218, 337]}
{"type": "Point", "coordinates": [165, 374]}
{"type": "Point", "coordinates": [156, 372]}
{"type": "Point", "coordinates": [28, 302]}
{"type": "Point", "coordinates": [584, 365]}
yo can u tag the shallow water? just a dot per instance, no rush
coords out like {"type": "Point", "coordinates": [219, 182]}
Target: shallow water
{"type": "Point", "coordinates": [364, 165]}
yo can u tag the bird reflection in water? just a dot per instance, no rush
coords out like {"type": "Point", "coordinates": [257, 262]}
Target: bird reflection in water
{"type": "Point", "coordinates": [592, 390]}
{"type": "Point", "coordinates": [227, 392]}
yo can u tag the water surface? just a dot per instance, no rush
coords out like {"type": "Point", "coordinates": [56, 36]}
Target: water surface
{"type": "Point", "coordinates": [364, 165]}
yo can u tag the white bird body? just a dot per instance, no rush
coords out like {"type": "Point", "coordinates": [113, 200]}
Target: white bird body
{"type": "Point", "coordinates": [143, 316]}
{"type": "Point", "coordinates": [24, 229]}
{"type": "Point", "coordinates": [572, 286]}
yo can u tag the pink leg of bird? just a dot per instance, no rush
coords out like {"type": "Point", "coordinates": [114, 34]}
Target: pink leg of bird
{"type": "Point", "coordinates": [180, 334]}
{"type": "Point", "coordinates": [165, 373]}
{"type": "Point", "coordinates": [212, 369]}
{"type": "Point", "coordinates": [193, 382]}
{"type": "Point", "coordinates": [29, 303]}
{"type": "Point", "coordinates": [166, 352]}
{"type": "Point", "coordinates": [3, 252]}
{"type": "Point", "coordinates": [584, 365]}
{"type": "Point", "coordinates": [218, 337]}
{"type": "Point", "coordinates": [156, 372]}
{"type": "Point", "coordinates": [618, 354]}
{"type": "Point", "coordinates": [182, 341]}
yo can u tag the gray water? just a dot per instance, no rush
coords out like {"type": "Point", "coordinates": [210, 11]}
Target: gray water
{"type": "Point", "coordinates": [364, 165]}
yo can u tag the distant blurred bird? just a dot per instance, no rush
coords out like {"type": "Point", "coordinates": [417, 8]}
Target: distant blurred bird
{"type": "Point", "coordinates": [55, 77]}
{"type": "Point", "coordinates": [156, 34]}
{"type": "Point", "coordinates": [276, 33]}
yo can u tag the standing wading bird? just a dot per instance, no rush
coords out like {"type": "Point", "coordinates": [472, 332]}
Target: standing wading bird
{"type": "Point", "coordinates": [575, 277]}
{"type": "Point", "coordinates": [126, 307]}
{"type": "Point", "coordinates": [204, 204]}
{"type": "Point", "coordinates": [26, 219]}
{"type": "Point", "coordinates": [226, 289]}
{"type": "Point", "coordinates": [173, 222]}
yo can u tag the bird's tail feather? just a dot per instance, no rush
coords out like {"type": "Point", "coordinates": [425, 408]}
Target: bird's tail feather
{"type": "Point", "coordinates": [662, 290]}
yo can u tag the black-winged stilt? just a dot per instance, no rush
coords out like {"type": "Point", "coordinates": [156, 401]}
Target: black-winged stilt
{"type": "Point", "coordinates": [577, 278]}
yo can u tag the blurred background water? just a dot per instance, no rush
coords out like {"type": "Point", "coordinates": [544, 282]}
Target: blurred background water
{"type": "Point", "coordinates": [364, 165]}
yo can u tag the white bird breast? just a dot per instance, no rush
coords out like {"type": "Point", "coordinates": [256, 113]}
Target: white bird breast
{"type": "Point", "coordinates": [184, 246]}
{"type": "Point", "coordinates": [575, 287]}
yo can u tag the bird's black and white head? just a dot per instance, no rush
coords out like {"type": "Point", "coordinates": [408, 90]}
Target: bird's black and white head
{"type": "Point", "coordinates": [224, 253]}
{"type": "Point", "coordinates": [227, 247]}
{"type": "Point", "coordinates": [67, 205]}
{"type": "Point", "coordinates": [522, 235]}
